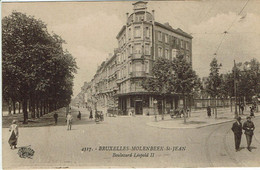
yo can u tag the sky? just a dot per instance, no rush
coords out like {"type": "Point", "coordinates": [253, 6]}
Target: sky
{"type": "Point", "coordinates": [90, 29]}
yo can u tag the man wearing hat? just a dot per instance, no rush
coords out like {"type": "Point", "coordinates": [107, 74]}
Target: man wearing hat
{"type": "Point", "coordinates": [237, 129]}
{"type": "Point", "coordinates": [249, 128]}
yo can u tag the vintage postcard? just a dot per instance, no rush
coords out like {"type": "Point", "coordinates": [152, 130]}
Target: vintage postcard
{"type": "Point", "coordinates": [130, 84]}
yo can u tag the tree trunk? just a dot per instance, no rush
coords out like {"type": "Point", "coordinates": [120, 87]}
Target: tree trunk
{"type": "Point", "coordinates": [25, 112]}
{"type": "Point", "coordinates": [44, 107]}
{"type": "Point", "coordinates": [9, 107]}
{"type": "Point", "coordinates": [14, 108]}
{"type": "Point", "coordinates": [216, 112]}
{"type": "Point", "coordinates": [163, 107]}
{"type": "Point", "coordinates": [41, 109]}
{"type": "Point", "coordinates": [231, 103]}
{"type": "Point", "coordinates": [37, 109]}
{"type": "Point", "coordinates": [19, 107]}
{"type": "Point", "coordinates": [33, 108]}
{"type": "Point", "coordinates": [184, 108]}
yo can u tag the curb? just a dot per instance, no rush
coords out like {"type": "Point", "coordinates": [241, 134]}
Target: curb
{"type": "Point", "coordinates": [202, 126]}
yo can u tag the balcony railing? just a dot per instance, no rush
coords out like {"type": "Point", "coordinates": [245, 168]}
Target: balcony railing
{"type": "Point", "coordinates": [138, 74]}
{"type": "Point", "coordinates": [137, 56]}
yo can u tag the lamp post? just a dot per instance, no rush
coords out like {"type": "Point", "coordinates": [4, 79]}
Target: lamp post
{"type": "Point", "coordinates": [235, 88]}
{"type": "Point", "coordinates": [155, 113]}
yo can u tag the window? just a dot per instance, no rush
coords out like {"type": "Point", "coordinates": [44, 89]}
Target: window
{"type": "Point", "coordinates": [129, 50]}
{"type": "Point", "coordinates": [130, 68]}
{"type": "Point", "coordinates": [160, 51]}
{"type": "Point", "coordinates": [160, 36]}
{"type": "Point", "coordinates": [177, 43]}
{"type": "Point", "coordinates": [137, 32]}
{"type": "Point", "coordinates": [139, 18]}
{"type": "Point", "coordinates": [166, 38]}
{"type": "Point", "coordinates": [147, 49]}
{"type": "Point", "coordinates": [187, 46]}
{"type": "Point", "coordinates": [146, 67]}
{"type": "Point", "coordinates": [138, 67]}
{"type": "Point", "coordinates": [188, 58]}
{"type": "Point", "coordinates": [147, 32]}
{"type": "Point", "coordinates": [174, 53]}
{"type": "Point", "coordinates": [167, 54]}
{"type": "Point", "coordinates": [124, 71]}
{"type": "Point", "coordinates": [129, 34]}
{"type": "Point", "coordinates": [182, 44]}
{"type": "Point", "coordinates": [138, 49]}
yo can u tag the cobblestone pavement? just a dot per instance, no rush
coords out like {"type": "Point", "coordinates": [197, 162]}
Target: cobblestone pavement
{"type": "Point", "coordinates": [55, 147]}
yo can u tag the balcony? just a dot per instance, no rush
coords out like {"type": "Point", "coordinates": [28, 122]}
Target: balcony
{"type": "Point", "coordinates": [137, 56]}
{"type": "Point", "coordinates": [138, 74]}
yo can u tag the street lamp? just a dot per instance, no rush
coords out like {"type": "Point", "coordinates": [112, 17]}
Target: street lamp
{"type": "Point", "coordinates": [235, 88]}
{"type": "Point", "coordinates": [155, 114]}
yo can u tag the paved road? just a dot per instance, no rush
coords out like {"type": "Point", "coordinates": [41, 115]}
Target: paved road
{"type": "Point", "coordinates": [56, 147]}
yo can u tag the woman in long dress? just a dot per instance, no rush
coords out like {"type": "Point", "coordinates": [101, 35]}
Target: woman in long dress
{"type": "Point", "coordinates": [13, 135]}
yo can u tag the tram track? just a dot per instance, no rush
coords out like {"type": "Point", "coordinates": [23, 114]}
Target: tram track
{"type": "Point", "coordinates": [208, 144]}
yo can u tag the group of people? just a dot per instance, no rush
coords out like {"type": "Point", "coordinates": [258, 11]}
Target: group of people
{"type": "Point", "coordinates": [248, 127]}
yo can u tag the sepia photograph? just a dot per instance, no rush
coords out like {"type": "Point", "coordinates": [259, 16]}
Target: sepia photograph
{"type": "Point", "coordinates": [130, 84]}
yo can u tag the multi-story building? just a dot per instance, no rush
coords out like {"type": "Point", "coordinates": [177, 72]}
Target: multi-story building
{"type": "Point", "coordinates": [118, 81]}
{"type": "Point", "coordinates": [140, 41]}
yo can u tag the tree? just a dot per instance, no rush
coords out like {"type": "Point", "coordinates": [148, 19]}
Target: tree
{"type": "Point", "coordinates": [246, 77]}
{"type": "Point", "coordinates": [213, 83]}
{"type": "Point", "coordinates": [161, 80]}
{"type": "Point", "coordinates": [185, 81]}
{"type": "Point", "coordinates": [173, 77]}
{"type": "Point", "coordinates": [35, 66]}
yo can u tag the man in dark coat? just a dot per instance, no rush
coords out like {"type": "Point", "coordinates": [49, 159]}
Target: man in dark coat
{"type": "Point", "coordinates": [237, 129]}
{"type": "Point", "coordinates": [209, 111]}
{"type": "Point", "coordinates": [55, 118]}
{"type": "Point", "coordinates": [249, 128]}
{"type": "Point", "coordinates": [252, 111]}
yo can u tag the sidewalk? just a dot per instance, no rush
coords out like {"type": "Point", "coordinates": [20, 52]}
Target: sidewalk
{"type": "Point", "coordinates": [198, 119]}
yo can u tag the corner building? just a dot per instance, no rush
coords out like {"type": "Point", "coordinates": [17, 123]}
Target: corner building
{"type": "Point", "coordinates": [140, 42]}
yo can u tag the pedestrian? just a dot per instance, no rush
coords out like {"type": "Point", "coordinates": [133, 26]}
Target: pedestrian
{"type": "Point", "coordinates": [209, 111]}
{"type": "Point", "coordinates": [237, 130]}
{"type": "Point", "coordinates": [79, 116]}
{"type": "Point", "coordinates": [188, 113]}
{"type": "Point", "coordinates": [13, 135]}
{"type": "Point", "coordinates": [55, 118]}
{"type": "Point", "coordinates": [91, 114]}
{"type": "Point", "coordinates": [252, 111]}
{"type": "Point", "coordinates": [249, 128]}
{"type": "Point", "coordinates": [69, 121]}
{"type": "Point", "coordinates": [242, 108]}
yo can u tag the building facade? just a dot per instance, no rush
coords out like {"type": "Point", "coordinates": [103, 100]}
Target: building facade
{"type": "Point", "coordinates": [118, 81]}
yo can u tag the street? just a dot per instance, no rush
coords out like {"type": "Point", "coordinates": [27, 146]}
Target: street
{"type": "Point", "coordinates": [55, 147]}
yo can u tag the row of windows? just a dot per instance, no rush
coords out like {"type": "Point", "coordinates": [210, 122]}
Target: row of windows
{"type": "Point", "coordinates": [126, 87]}
{"type": "Point", "coordinates": [174, 53]}
{"type": "Point", "coordinates": [167, 53]}
{"type": "Point", "coordinates": [137, 68]}
{"type": "Point", "coordinates": [183, 44]}
{"type": "Point", "coordinates": [137, 34]}
{"type": "Point", "coordinates": [138, 48]}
